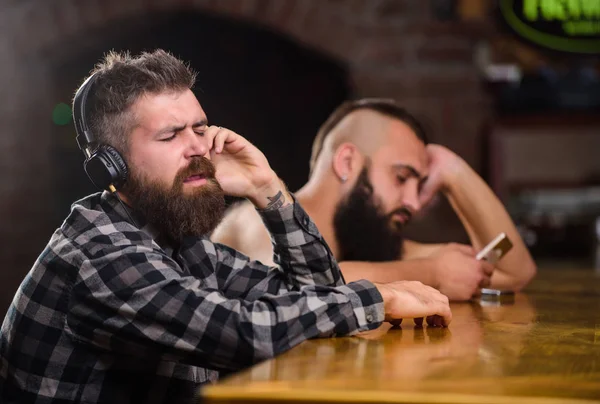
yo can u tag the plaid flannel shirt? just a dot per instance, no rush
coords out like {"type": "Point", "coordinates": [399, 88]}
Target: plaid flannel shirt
{"type": "Point", "coordinates": [108, 314]}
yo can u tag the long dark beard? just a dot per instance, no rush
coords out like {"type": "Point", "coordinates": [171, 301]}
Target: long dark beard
{"type": "Point", "coordinates": [172, 212]}
{"type": "Point", "coordinates": [364, 233]}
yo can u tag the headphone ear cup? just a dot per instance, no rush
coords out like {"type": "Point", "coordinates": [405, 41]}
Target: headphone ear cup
{"type": "Point", "coordinates": [106, 167]}
{"type": "Point", "coordinates": [120, 164]}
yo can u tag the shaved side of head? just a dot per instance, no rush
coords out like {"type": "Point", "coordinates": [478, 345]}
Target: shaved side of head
{"type": "Point", "coordinates": [363, 123]}
{"type": "Point", "coordinates": [363, 128]}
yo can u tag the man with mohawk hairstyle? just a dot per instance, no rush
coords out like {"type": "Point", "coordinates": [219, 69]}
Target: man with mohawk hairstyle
{"type": "Point", "coordinates": [371, 171]}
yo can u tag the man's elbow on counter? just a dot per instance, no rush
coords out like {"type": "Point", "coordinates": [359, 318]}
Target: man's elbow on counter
{"type": "Point", "coordinates": [526, 275]}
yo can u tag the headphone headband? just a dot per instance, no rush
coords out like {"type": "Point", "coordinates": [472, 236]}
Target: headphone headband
{"type": "Point", "coordinates": [85, 138]}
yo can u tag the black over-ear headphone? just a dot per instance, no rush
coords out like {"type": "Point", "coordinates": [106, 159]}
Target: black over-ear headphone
{"type": "Point", "coordinates": [104, 165]}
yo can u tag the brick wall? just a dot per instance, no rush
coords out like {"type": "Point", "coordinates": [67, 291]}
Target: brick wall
{"type": "Point", "coordinates": [393, 48]}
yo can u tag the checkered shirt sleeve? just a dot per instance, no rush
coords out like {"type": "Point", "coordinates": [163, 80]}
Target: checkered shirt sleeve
{"type": "Point", "coordinates": [132, 298]}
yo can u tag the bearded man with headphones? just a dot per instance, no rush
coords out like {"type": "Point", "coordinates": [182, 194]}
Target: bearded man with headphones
{"type": "Point", "coordinates": [130, 301]}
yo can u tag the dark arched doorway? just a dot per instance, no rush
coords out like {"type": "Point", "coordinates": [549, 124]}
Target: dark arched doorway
{"type": "Point", "coordinates": [254, 81]}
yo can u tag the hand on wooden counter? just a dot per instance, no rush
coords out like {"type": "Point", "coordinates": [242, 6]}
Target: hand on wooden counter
{"type": "Point", "coordinates": [411, 299]}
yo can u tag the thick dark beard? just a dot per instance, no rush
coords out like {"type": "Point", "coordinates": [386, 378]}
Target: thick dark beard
{"type": "Point", "coordinates": [364, 233]}
{"type": "Point", "coordinates": [172, 212]}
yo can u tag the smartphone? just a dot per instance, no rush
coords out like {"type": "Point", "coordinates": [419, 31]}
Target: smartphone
{"type": "Point", "coordinates": [496, 297]}
{"type": "Point", "coordinates": [497, 300]}
{"type": "Point", "coordinates": [492, 253]}
{"type": "Point", "coordinates": [495, 250]}
{"type": "Point", "coordinates": [496, 292]}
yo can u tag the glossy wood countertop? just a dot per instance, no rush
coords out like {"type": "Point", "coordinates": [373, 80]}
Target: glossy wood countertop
{"type": "Point", "coordinates": [543, 346]}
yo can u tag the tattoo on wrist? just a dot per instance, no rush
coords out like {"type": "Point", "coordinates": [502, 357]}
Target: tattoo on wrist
{"type": "Point", "coordinates": [275, 202]}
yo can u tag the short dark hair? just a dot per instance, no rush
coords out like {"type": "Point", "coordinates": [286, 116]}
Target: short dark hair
{"type": "Point", "coordinates": [385, 106]}
{"type": "Point", "coordinates": [120, 80]}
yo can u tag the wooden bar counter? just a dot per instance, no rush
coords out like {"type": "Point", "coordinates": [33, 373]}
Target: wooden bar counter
{"type": "Point", "coordinates": [543, 346]}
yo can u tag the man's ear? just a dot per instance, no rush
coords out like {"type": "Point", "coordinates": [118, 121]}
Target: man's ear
{"type": "Point", "coordinates": [346, 161]}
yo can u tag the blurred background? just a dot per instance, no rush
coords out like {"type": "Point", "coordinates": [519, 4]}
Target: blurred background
{"type": "Point", "coordinates": [512, 86]}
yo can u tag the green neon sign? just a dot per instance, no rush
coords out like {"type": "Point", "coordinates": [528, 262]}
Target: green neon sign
{"type": "Point", "coordinates": [564, 25]}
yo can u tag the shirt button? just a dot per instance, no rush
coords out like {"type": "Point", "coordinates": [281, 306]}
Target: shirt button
{"type": "Point", "coordinates": [306, 221]}
{"type": "Point", "coordinates": [369, 318]}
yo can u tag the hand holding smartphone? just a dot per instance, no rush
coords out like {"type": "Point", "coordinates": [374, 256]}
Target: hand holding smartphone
{"type": "Point", "coordinates": [492, 253]}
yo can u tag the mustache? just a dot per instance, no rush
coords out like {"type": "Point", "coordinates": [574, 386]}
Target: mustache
{"type": "Point", "coordinates": [198, 166]}
{"type": "Point", "coordinates": [401, 211]}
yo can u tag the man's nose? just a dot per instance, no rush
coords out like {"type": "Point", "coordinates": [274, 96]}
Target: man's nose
{"type": "Point", "coordinates": [197, 145]}
{"type": "Point", "coordinates": [410, 198]}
